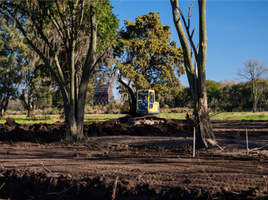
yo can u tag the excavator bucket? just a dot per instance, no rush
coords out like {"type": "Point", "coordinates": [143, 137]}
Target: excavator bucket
{"type": "Point", "coordinates": [103, 94]}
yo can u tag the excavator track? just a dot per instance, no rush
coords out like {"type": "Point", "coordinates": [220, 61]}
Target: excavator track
{"type": "Point", "coordinates": [142, 119]}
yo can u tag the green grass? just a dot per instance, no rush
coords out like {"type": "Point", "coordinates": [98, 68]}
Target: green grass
{"type": "Point", "coordinates": [172, 115]}
{"type": "Point", "coordinates": [240, 116]}
{"type": "Point", "coordinates": [23, 119]}
{"type": "Point", "coordinates": [101, 117]}
{"type": "Point", "coordinates": [50, 119]}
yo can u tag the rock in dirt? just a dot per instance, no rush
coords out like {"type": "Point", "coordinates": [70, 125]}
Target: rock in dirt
{"type": "Point", "coordinates": [10, 122]}
{"type": "Point", "coordinates": [169, 122]}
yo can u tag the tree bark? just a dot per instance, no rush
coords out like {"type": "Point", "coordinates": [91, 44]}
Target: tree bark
{"type": "Point", "coordinates": [30, 112]}
{"type": "Point", "coordinates": [2, 108]}
{"type": "Point", "coordinates": [74, 111]}
{"type": "Point", "coordinates": [196, 78]}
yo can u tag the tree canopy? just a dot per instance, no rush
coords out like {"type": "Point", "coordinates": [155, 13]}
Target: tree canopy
{"type": "Point", "coordinates": [14, 56]}
{"type": "Point", "coordinates": [63, 32]}
{"type": "Point", "coordinates": [254, 71]}
{"type": "Point", "coordinates": [147, 56]}
{"type": "Point", "coordinates": [214, 91]}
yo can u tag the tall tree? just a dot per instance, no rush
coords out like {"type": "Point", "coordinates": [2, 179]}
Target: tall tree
{"type": "Point", "coordinates": [36, 85]}
{"type": "Point", "coordinates": [183, 98]}
{"type": "Point", "coordinates": [68, 21]}
{"type": "Point", "coordinates": [13, 56]}
{"type": "Point", "coordinates": [214, 92]}
{"type": "Point", "coordinates": [236, 96]}
{"type": "Point", "coordinates": [196, 76]}
{"type": "Point", "coordinates": [254, 71]}
{"type": "Point", "coordinates": [147, 56]}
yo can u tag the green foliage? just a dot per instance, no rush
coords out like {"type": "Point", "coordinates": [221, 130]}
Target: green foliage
{"type": "Point", "coordinates": [214, 91]}
{"type": "Point", "coordinates": [146, 55]}
{"type": "Point", "coordinates": [229, 98]}
{"type": "Point", "coordinates": [37, 85]}
{"type": "Point", "coordinates": [57, 101]}
{"type": "Point", "coordinates": [184, 98]}
{"type": "Point", "coordinates": [71, 37]}
{"type": "Point", "coordinates": [13, 57]}
{"type": "Point", "coordinates": [237, 95]}
{"type": "Point", "coordinates": [255, 72]}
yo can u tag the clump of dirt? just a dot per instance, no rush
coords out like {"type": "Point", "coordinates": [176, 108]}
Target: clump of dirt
{"type": "Point", "coordinates": [35, 165]}
{"type": "Point", "coordinates": [40, 133]}
{"type": "Point", "coordinates": [10, 122]}
{"type": "Point", "coordinates": [168, 128]}
{"type": "Point", "coordinates": [24, 184]}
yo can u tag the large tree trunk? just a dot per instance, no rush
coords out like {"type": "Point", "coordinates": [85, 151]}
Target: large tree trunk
{"type": "Point", "coordinates": [196, 77]}
{"type": "Point", "coordinates": [30, 112]}
{"type": "Point", "coordinates": [74, 111]}
{"type": "Point", "coordinates": [2, 108]}
{"type": "Point", "coordinates": [73, 131]}
{"type": "Point", "coordinates": [257, 91]}
{"type": "Point", "coordinates": [74, 122]}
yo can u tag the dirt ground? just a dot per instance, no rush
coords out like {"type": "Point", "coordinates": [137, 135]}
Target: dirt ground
{"type": "Point", "coordinates": [150, 161]}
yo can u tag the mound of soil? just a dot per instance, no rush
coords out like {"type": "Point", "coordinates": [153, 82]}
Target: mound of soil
{"type": "Point", "coordinates": [35, 164]}
{"type": "Point", "coordinates": [165, 129]}
{"type": "Point", "coordinates": [68, 172]}
{"type": "Point", "coordinates": [43, 133]}
{"type": "Point", "coordinates": [30, 185]}
{"type": "Point", "coordinates": [40, 133]}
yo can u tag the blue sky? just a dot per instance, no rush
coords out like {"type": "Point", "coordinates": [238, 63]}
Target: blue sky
{"type": "Point", "coordinates": [236, 30]}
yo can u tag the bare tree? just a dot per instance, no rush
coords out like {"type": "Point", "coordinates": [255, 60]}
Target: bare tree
{"type": "Point", "coordinates": [254, 71]}
{"type": "Point", "coordinates": [226, 82]}
{"type": "Point", "coordinates": [196, 75]}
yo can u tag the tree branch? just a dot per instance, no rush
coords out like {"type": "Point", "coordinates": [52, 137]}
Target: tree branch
{"type": "Point", "coordinates": [189, 16]}
{"type": "Point", "coordinates": [58, 27]}
{"type": "Point", "coordinates": [189, 36]}
{"type": "Point", "coordinates": [19, 26]}
{"type": "Point", "coordinates": [107, 49]}
{"type": "Point", "coordinates": [82, 13]}
{"type": "Point", "coordinates": [63, 22]}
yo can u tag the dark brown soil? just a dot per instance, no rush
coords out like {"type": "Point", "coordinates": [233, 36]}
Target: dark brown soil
{"type": "Point", "coordinates": [151, 161]}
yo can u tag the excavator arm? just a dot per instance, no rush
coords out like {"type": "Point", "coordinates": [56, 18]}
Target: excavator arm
{"type": "Point", "coordinates": [104, 93]}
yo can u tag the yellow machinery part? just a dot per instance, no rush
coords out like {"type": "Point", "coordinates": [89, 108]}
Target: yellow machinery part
{"type": "Point", "coordinates": [153, 105]}
{"type": "Point", "coordinates": [124, 109]}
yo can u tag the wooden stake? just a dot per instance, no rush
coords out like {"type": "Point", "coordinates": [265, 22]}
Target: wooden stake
{"type": "Point", "coordinates": [114, 189]}
{"type": "Point", "coordinates": [46, 169]}
{"type": "Point", "coordinates": [2, 185]}
{"type": "Point", "coordinates": [194, 144]}
{"type": "Point", "coordinates": [247, 140]}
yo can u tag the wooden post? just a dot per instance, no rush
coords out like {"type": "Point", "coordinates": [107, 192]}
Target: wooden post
{"type": "Point", "coordinates": [194, 144]}
{"type": "Point", "coordinates": [247, 140]}
{"type": "Point", "coordinates": [114, 188]}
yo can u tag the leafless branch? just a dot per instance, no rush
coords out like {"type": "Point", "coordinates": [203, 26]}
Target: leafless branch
{"type": "Point", "coordinates": [189, 15]}
{"type": "Point", "coordinates": [253, 70]}
{"type": "Point", "coordinates": [189, 36]}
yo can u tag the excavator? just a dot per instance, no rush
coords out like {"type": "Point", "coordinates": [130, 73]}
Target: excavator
{"type": "Point", "coordinates": [140, 104]}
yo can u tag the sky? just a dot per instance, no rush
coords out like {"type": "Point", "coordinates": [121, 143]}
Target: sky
{"type": "Point", "coordinates": [236, 30]}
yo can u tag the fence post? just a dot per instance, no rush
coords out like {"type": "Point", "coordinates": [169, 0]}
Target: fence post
{"type": "Point", "coordinates": [247, 140]}
{"type": "Point", "coordinates": [194, 143]}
